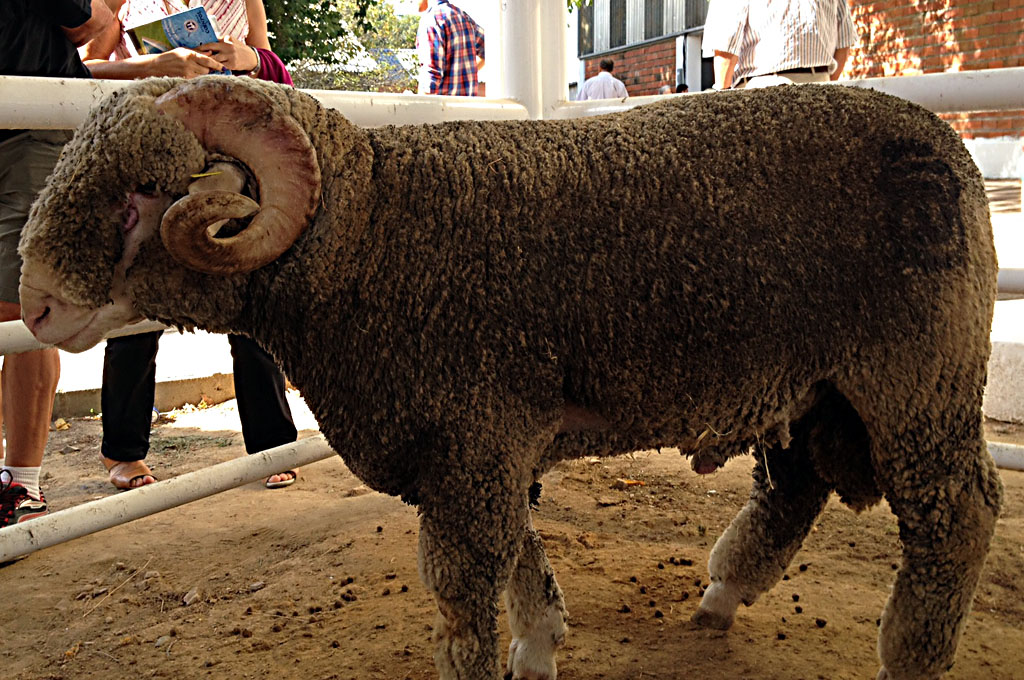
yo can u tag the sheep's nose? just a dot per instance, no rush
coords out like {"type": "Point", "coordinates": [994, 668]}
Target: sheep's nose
{"type": "Point", "coordinates": [35, 308]}
{"type": "Point", "coordinates": [36, 321]}
{"type": "Point", "coordinates": [35, 315]}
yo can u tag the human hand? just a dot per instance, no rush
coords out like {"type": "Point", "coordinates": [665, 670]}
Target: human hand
{"type": "Point", "coordinates": [231, 54]}
{"type": "Point", "coordinates": [182, 62]}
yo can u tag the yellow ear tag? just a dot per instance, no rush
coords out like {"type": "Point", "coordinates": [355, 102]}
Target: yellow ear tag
{"type": "Point", "coordinates": [206, 174]}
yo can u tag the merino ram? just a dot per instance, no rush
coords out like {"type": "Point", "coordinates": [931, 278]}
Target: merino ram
{"type": "Point", "coordinates": [808, 271]}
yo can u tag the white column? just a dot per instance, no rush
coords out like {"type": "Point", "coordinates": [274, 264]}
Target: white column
{"type": "Point", "coordinates": [693, 65]}
{"type": "Point", "coordinates": [521, 58]}
{"type": "Point", "coordinates": [554, 22]}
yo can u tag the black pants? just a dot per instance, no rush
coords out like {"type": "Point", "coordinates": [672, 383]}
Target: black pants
{"type": "Point", "coordinates": [129, 384]}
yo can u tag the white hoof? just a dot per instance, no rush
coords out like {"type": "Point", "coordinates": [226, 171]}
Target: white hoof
{"type": "Point", "coordinates": [718, 606]}
{"type": "Point", "coordinates": [525, 663]}
{"type": "Point", "coordinates": [532, 656]}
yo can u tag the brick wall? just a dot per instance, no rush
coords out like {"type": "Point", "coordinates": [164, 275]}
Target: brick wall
{"type": "Point", "coordinates": [901, 37]}
{"type": "Point", "coordinates": [642, 69]}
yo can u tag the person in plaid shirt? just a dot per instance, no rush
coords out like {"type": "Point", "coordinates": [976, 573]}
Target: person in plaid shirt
{"type": "Point", "coordinates": [451, 49]}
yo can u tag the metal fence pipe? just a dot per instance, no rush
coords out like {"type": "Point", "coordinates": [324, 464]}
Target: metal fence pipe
{"type": "Point", "coordinates": [1011, 281]}
{"type": "Point", "coordinates": [63, 103]}
{"type": "Point", "coordinates": [50, 103]}
{"type": "Point", "coordinates": [997, 89]}
{"type": "Point", "coordinates": [372, 109]}
{"type": "Point", "coordinates": [596, 107]}
{"type": "Point", "coordinates": [16, 338]}
{"type": "Point", "coordinates": [82, 520]}
{"type": "Point", "coordinates": [1007, 456]}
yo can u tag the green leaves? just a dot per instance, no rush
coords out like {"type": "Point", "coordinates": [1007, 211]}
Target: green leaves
{"type": "Point", "coordinates": [331, 31]}
{"type": "Point", "coordinates": [311, 29]}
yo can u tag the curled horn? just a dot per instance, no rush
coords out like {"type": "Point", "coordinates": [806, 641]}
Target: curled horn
{"type": "Point", "coordinates": [240, 122]}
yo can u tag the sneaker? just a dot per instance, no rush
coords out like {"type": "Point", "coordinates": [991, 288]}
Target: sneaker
{"type": "Point", "coordinates": [16, 505]}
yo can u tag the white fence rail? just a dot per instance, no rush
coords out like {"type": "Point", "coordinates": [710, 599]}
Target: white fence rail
{"type": "Point", "coordinates": [62, 104]}
{"type": "Point", "coordinates": [534, 88]}
{"type": "Point", "coordinates": [88, 518]}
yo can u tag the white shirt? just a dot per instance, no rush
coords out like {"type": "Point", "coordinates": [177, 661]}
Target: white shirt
{"type": "Point", "coordinates": [602, 86]}
{"type": "Point", "coordinates": [775, 35]}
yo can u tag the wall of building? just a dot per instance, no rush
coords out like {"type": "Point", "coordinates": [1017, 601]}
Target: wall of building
{"type": "Point", "coordinates": [933, 36]}
{"type": "Point", "coordinates": [643, 69]}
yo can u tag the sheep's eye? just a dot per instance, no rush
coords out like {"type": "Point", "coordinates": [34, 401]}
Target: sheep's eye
{"type": "Point", "coordinates": [147, 189]}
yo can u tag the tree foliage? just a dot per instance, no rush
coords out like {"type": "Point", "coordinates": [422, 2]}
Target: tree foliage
{"type": "Point", "coordinates": [331, 31]}
{"type": "Point", "coordinates": [333, 44]}
{"type": "Point", "coordinates": [312, 29]}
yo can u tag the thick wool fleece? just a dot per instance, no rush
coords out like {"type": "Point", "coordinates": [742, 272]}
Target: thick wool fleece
{"type": "Point", "coordinates": [676, 283]}
{"type": "Point", "coordinates": [474, 301]}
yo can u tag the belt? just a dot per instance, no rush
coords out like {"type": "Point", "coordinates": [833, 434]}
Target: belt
{"type": "Point", "coordinates": [801, 69]}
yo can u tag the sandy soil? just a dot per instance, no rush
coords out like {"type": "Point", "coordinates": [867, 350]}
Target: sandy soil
{"type": "Point", "coordinates": [319, 581]}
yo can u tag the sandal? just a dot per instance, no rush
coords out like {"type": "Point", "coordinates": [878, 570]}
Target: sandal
{"type": "Point", "coordinates": [128, 474]}
{"type": "Point", "coordinates": [289, 478]}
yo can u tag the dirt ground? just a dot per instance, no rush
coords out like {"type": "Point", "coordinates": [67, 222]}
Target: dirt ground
{"type": "Point", "coordinates": [318, 581]}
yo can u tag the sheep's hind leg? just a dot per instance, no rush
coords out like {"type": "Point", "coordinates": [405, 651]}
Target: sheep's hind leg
{"type": "Point", "coordinates": [471, 527]}
{"type": "Point", "coordinates": [536, 613]}
{"type": "Point", "coordinates": [755, 549]}
{"type": "Point", "coordinates": [947, 503]}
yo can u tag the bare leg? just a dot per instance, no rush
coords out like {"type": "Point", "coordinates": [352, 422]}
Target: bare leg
{"type": "Point", "coordinates": [536, 613]}
{"type": "Point", "coordinates": [29, 385]}
{"type": "Point", "coordinates": [752, 554]}
{"type": "Point", "coordinates": [29, 379]}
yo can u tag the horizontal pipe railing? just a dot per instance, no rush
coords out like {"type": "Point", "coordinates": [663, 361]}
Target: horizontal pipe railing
{"type": "Point", "coordinates": [16, 338]}
{"type": "Point", "coordinates": [55, 103]}
{"type": "Point", "coordinates": [1007, 456]}
{"type": "Point", "coordinates": [1011, 281]}
{"type": "Point", "coordinates": [63, 103]}
{"type": "Point", "coordinates": [87, 518]}
{"type": "Point", "coordinates": [997, 89]}
{"type": "Point", "coordinates": [1000, 89]}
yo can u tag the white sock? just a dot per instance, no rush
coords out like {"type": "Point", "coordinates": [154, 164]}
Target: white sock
{"type": "Point", "coordinates": [28, 477]}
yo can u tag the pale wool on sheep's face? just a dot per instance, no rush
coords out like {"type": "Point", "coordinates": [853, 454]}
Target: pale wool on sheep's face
{"type": "Point", "coordinates": [59, 321]}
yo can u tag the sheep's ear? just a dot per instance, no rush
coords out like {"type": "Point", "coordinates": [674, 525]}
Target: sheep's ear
{"type": "Point", "coordinates": [142, 221]}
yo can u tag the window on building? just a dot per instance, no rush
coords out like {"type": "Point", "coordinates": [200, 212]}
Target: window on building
{"type": "Point", "coordinates": [696, 13]}
{"type": "Point", "coordinates": [617, 32]}
{"type": "Point", "coordinates": [585, 33]}
{"type": "Point", "coordinates": [654, 19]}
{"type": "Point", "coordinates": [608, 25]}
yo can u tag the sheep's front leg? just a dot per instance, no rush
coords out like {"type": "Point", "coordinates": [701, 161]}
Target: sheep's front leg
{"type": "Point", "coordinates": [536, 614]}
{"type": "Point", "coordinates": [472, 523]}
{"type": "Point", "coordinates": [752, 554]}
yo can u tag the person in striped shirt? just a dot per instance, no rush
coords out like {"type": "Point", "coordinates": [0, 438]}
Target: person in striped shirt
{"type": "Point", "coordinates": [773, 42]}
{"type": "Point", "coordinates": [451, 49]}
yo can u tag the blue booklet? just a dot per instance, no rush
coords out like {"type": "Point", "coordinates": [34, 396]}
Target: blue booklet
{"type": "Point", "coordinates": [190, 28]}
